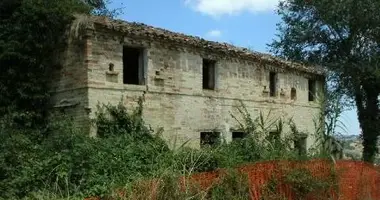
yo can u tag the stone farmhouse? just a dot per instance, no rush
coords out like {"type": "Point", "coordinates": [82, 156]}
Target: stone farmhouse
{"type": "Point", "coordinates": [191, 86]}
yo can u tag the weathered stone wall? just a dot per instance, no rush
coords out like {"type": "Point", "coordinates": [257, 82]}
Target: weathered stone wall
{"type": "Point", "coordinates": [174, 98]}
{"type": "Point", "coordinates": [70, 82]}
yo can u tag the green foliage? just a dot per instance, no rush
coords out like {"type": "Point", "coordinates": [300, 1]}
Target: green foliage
{"type": "Point", "coordinates": [233, 185]}
{"type": "Point", "coordinates": [188, 161]}
{"type": "Point", "coordinates": [66, 162]}
{"type": "Point", "coordinates": [266, 134]}
{"type": "Point", "coordinates": [29, 163]}
{"type": "Point", "coordinates": [32, 33]}
{"type": "Point", "coordinates": [328, 125]}
{"type": "Point", "coordinates": [117, 120]}
{"type": "Point", "coordinates": [343, 37]}
{"type": "Point", "coordinates": [302, 183]}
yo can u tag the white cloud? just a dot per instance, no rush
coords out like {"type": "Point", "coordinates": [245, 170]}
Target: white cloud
{"type": "Point", "coordinates": [218, 8]}
{"type": "Point", "coordinates": [214, 33]}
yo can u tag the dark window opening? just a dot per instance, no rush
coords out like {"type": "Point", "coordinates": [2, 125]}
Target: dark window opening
{"type": "Point", "coordinates": [111, 67]}
{"type": "Point", "coordinates": [300, 146]}
{"type": "Point", "coordinates": [274, 137]}
{"type": "Point", "coordinates": [238, 135]}
{"type": "Point", "coordinates": [272, 84]}
{"type": "Point", "coordinates": [311, 84]}
{"type": "Point", "coordinates": [293, 94]}
{"type": "Point", "coordinates": [210, 139]}
{"type": "Point", "coordinates": [133, 69]}
{"type": "Point", "coordinates": [208, 71]}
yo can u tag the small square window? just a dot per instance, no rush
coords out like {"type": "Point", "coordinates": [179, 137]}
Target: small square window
{"type": "Point", "coordinates": [210, 139]}
{"type": "Point", "coordinates": [208, 74]}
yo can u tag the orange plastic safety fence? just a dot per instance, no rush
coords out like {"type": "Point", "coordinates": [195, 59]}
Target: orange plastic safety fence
{"type": "Point", "coordinates": [355, 180]}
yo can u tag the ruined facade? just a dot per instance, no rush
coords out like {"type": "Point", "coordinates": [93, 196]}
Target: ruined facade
{"type": "Point", "coordinates": [191, 86]}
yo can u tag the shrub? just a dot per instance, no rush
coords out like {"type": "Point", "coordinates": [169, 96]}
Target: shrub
{"type": "Point", "coordinates": [302, 184]}
{"type": "Point", "coordinates": [232, 185]}
{"type": "Point", "coordinates": [67, 162]}
{"type": "Point", "coordinates": [187, 161]}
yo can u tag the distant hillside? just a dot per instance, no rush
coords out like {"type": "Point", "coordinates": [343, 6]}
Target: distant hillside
{"type": "Point", "coordinates": [352, 147]}
{"type": "Point", "coordinates": [347, 137]}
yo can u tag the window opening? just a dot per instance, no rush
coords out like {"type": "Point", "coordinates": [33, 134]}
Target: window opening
{"type": "Point", "coordinates": [208, 73]}
{"type": "Point", "coordinates": [238, 135]}
{"type": "Point", "coordinates": [133, 68]}
{"type": "Point", "coordinates": [311, 84]}
{"type": "Point", "coordinates": [210, 139]}
{"type": "Point", "coordinates": [272, 84]}
{"type": "Point", "coordinates": [293, 94]}
{"type": "Point", "coordinates": [300, 145]}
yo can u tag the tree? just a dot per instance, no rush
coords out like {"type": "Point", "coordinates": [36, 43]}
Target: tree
{"type": "Point", "coordinates": [31, 32]}
{"type": "Point", "coordinates": [344, 37]}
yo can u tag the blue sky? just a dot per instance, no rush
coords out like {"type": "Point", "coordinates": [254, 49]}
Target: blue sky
{"type": "Point", "coordinates": [246, 23]}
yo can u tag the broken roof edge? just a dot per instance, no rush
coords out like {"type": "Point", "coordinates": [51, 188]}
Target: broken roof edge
{"type": "Point", "coordinates": [134, 29]}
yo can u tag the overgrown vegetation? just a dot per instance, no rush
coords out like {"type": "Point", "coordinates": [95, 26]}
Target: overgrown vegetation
{"type": "Point", "coordinates": [66, 163]}
{"type": "Point", "coordinates": [302, 183]}
{"type": "Point", "coordinates": [32, 33]}
{"type": "Point", "coordinates": [232, 185]}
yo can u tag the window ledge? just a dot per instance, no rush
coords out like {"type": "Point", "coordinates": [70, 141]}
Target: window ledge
{"type": "Point", "coordinates": [209, 92]}
{"type": "Point", "coordinates": [112, 73]}
{"type": "Point", "coordinates": [134, 87]}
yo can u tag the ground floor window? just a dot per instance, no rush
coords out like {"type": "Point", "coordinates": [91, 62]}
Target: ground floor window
{"type": "Point", "coordinates": [237, 135]}
{"type": "Point", "coordinates": [300, 145]}
{"type": "Point", "coordinates": [210, 139]}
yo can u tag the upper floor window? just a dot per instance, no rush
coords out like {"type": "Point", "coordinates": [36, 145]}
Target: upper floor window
{"type": "Point", "coordinates": [312, 90]}
{"type": "Point", "coordinates": [133, 66]}
{"type": "Point", "coordinates": [208, 74]}
{"type": "Point", "coordinates": [272, 84]}
{"type": "Point", "coordinates": [293, 94]}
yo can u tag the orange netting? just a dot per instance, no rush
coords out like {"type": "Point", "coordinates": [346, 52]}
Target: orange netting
{"type": "Point", "coordinates": [354, 180]}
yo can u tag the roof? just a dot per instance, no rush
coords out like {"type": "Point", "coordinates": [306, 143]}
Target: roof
{"type": "Point", "coordinates": [135, 29]}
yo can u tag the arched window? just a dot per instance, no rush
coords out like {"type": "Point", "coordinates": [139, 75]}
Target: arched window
{"type": "Point", "coordinates": [293, 94]}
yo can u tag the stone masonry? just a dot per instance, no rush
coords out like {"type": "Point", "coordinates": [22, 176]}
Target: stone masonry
{"type": "Point", "coordinates": [171, 75]}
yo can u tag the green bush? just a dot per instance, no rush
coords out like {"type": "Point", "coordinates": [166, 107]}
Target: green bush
{"type": "Point", "coordinates": [67, 162]}
{"type": "Point", "coordinates": [233, 185]}
{"type": "Point", "coordinates": [302, 183]}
